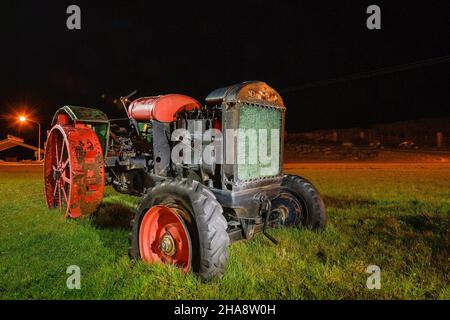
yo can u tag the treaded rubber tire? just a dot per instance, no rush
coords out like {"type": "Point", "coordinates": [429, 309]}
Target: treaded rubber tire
{"type": "Point", "coordinates": [316, 215]}
{"type": "Point", "coordinates": [208, 234]}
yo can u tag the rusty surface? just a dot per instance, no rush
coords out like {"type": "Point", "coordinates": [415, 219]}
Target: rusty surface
{"type": "Point", "coordinates": [80, 114]}
{"type": "Point", "coordinates": [73, 170]}
{"type": "Point", "coordinates": [250, 91]}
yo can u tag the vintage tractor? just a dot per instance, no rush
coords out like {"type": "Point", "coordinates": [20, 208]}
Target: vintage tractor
{"type": "Point", "coordinates": [189, 164]}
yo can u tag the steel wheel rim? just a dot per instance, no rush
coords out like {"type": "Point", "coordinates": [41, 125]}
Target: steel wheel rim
{"type": "Point", "coordinates": [161, 227]}
{"type": "Point", "coordinates": [58, 173]}
{"type": "Point", "coordinates": [290, 207]}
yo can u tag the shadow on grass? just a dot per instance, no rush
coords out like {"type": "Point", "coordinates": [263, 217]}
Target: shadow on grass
{"type": "Point", "coordinates": [407, 233]}
{"type": "Point", "coordinates": [343, 203]}
{"type": "Point", "coordinates": [406, 225]}
{"type": "Point", "coordinates": [113, 215]}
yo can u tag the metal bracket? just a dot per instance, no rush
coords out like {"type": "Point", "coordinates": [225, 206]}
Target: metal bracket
{"type": "Point", "coordinates": [266, 207]}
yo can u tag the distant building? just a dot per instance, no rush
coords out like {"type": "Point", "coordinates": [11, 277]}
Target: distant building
{"type": "Point", "coordinates": [15, 149]}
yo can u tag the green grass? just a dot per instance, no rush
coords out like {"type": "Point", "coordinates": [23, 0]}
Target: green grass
{"type": "Point", "coordinates": [394, 219]}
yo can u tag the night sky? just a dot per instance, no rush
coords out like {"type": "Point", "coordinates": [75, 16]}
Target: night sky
{"type": "Point", "coordinates": [192, 49]}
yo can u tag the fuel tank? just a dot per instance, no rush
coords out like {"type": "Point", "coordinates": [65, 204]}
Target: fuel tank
{"type": "Point", "coordinates": [162, 108]}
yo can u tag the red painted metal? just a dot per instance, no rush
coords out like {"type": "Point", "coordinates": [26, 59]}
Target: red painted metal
{"type": "Point", "coordinates": [161, 108]}
{"type": "Point", "coordinates": [63, 119]}
{"type": "Point", "coordinates": [165, 222]}
{"type": "Point", "coordinates": [217, 124]}
{"type": "Point", "coordinates": [73, 170]}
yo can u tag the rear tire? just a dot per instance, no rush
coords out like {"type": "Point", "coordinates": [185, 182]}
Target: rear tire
{"type": "Point", "coordinates": [313, 214]}
{"type": "Point", "coordinates": [203, 218]}
{"type": "Point", "coordinates": [74, 172]}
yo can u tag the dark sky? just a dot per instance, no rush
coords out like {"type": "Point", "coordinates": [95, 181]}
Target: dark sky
{"type": "Point", "coordinates": [161, 47]}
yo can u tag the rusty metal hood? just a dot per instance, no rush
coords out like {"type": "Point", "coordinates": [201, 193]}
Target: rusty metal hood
{"type": "Point", "coordinates": [249, 91]}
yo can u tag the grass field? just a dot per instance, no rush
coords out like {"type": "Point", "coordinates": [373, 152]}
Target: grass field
{"type": "Point", "coordinates": [396, 219]}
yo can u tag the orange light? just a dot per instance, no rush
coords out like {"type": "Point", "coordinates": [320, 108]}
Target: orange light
{"type": "Point", "coordinates": [22, 119]}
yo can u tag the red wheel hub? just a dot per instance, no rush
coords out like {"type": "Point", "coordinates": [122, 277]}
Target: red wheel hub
{"type": "Point", "coordinates": [164, 238]}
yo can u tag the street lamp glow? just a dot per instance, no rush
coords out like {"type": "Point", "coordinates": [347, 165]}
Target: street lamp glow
{"type": "Point", "coordinates": [22, 119]}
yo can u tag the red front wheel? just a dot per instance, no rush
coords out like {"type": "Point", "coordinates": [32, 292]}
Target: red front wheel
{"type": "Point", "coordinates": [181, 223]}
{"type": "Point", "coordinates": [164, 238]}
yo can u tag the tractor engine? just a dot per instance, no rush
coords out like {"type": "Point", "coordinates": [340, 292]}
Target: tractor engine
{"type": "Point", "coordinates": [131, 161]}
{"type": "Point", "coordinates": [128, 161]}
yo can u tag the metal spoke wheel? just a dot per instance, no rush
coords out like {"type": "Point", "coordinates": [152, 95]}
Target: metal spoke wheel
{"type": "Point", "coordinates": [164, 238]}
{"type": "Point", "coordinates": [73, 170]}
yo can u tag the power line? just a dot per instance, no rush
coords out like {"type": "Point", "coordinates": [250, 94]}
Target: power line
{"type": "Point", "coordinates": [371, 73]}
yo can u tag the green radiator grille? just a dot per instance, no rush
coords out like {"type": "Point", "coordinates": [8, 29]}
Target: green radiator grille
{"type": "Point", "coordinates": [251, 165]}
